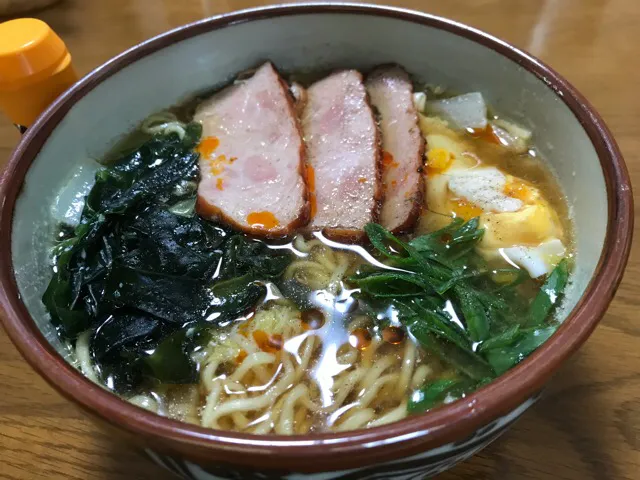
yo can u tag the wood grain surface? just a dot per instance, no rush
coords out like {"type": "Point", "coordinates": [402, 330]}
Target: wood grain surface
{"type": "Point", "coordinates": [587, 427]}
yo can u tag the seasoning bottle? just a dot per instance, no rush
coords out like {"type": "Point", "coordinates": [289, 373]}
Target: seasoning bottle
{"type": "Point", "coordinates": [35, 67]}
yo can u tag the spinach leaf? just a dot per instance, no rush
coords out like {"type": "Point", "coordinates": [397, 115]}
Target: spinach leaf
{"type": "Point", "coordinates": [503, 339]}
{"type": "Point", "coordinates": [434, 393]}
{"type": "Point", "coordinates": [502, 359]}
{"type": "Point", "coordinates": [451, 242]}
{"type": "Point", "coordinates": [422, 313]}
{"type": "Point", "coordinates": [391, 284]}
{"type": "Point", "coordinates": [474, 312]}
{"type": "Point", "coordinates": [387, 243]}
{"type": "Point", "coordinates": [404, 255]}
{"type": "Point", "coordinates": [444, 282]}
{"type": "Point", "coordinates": [463, 360]}
{"type": "Point", "coordinates": [549, 294]}
{"type": "Point", "coordinates": [193, 132]}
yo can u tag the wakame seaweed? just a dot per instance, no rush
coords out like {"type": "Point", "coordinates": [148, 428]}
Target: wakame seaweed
{"type": "Point", "coordinates": [146, 275]}
{"type": "Point", "coordinates": [501, 327]}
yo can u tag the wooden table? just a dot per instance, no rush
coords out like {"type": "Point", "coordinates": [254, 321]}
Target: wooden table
{"type": "Point", "coordinates": [587, 426]}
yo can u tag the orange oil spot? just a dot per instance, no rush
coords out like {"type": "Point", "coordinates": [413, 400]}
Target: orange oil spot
{"type": "Point", "coordinates": [466, 210]}
{"type": "Point", "coordinates": [268, 343]}
{"type": "Point", "coordinates": [310, 174]}
{"type": "Point", "coordinates": [394, 183]}
{"type": "Point", "coordinates": [446, 238]}
{"type": "Point", "coordinates": [388, 161]}
{"type": "Point", "coordinates": [262, 220]}
{"type": "Point", "coordinates": [217, 164]}
{"type": "Point", "coordinates": [393, 335]}
{"type": "Point", "coordinates": [220, 184]}
{"type": "Point", "coordinates": [241, 356]}
{"type": "Point", "coordinates": [360, 338]}
{"type": "Point", "coordinates": [487, 134]}
{"type": "Point", "coordinates": [312, 319]}
{"type": "Point", "coordinates": [243, 329]}
{"type": "Point", "coordinates": [362, 180]}
{"type": "Point", "coordinates": [207, 146]}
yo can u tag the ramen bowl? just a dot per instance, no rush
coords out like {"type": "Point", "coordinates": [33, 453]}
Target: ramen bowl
{"type": "Point", "coordinates": [85, 121]}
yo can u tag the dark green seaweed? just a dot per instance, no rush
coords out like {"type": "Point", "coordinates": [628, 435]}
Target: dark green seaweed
{"type": "Point", "coordinates": [145, 275]}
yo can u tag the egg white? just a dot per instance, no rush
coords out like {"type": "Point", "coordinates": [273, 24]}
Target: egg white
{"type": "Point", "coordinates": [525, 231]}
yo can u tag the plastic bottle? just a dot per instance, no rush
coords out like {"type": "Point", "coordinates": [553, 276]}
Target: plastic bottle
{"type": "Point", "coordinates": [35, 67]}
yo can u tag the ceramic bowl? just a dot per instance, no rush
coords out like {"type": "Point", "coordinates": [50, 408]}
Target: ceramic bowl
{"type": "Point", "coordinates": [84, 122]}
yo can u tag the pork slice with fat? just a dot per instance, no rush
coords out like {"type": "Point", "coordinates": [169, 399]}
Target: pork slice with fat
{"type": "Point", "coordinates": [343, 154]}
{"type": "Point", "coordinates": [252, 163]}
{"type": "Point", "coordinates": [391, 94]}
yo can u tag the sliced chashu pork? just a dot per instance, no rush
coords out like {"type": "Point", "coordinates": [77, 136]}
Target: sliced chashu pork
{"type": "Point", "coordinates": [343, 154]}
{"type": "Point", "coordinates": [252, 157]}
{"type": "Point", "coordinates": [391, 94]}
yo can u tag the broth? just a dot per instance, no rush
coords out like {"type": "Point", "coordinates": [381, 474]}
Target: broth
{"type": "Point", "coordinates": [197, 320]}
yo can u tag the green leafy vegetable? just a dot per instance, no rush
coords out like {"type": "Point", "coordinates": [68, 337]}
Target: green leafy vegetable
{"type": "Point", "coordinates": [426, 313]}
{"type": "Point", "coordinates": [502, 359]}
{"type": "Point", "coordinates": [474, 313]}
{"type": "Point", "coordinates": [549, 294]}
{"type": "Point", "coordinates": [171, 362]}
{"type": "Point", "coordinates": [393, 284]}
{"type": "Point", "coordinates": [434, 393]}
{"type": "Point", "coordinates": [463, 360]}
{"type": "Point", "coordinates": [145, 274]}
{"type": "Point", "coordinates": [172, 299]}
{"type": "Point", "coordinates": [450, 243]}
{"type": "Point", "coordinates": [470, 316]}
{"type": "Point", "coordinates": [235, 296]}
{"type": "Point", "coordinates": [502, 339]}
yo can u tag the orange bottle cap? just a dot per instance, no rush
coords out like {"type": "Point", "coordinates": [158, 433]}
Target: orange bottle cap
{"type": "Point", "coordinates": [35, 67]}
{"type": "Point", "coordinates": [29, 50]}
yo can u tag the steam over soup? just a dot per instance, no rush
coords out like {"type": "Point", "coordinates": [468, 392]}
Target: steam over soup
{"type": "Point", "coordinates": [291, 259]}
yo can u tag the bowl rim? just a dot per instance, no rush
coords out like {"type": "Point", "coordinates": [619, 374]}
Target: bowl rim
{"type": "Point", "coordinates": [357, 448]}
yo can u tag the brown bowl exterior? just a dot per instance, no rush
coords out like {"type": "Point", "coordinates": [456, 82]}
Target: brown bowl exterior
{"type": "Point", "coordinates": [323, 452]}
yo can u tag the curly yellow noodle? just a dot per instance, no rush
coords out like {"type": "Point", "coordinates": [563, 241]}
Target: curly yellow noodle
{"type": "Point", "coordinates": [244, 388]}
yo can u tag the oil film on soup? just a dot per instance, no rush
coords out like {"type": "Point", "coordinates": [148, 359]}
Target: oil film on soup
{"type": "Point", "coordinates": [301, 254]}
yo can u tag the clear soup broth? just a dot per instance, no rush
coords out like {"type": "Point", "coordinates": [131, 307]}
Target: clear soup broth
{"type": "Point", "coordinates": [189, 316]}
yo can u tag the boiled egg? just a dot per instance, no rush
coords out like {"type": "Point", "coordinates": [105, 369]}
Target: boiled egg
{"type": "Point", "coordinates": [520, 225]}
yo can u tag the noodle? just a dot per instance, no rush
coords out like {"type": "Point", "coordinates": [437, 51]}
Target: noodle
{"type": "Point", "coordinates": [244, 388]}
{"type": "Point", "coordinates": [163, 123]}
{"type": "Point", "coordinates": [357, 419]}
{"type": "Point", "coordinates": [277, 393]}
{"type": "Point", "coordinates": [84, 357]}
{"type": "Point", "coordinates": [323, 269]}
{"type": "Point", "coordinates": [408, 364]}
